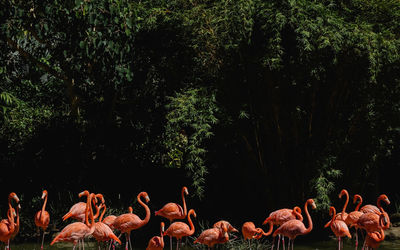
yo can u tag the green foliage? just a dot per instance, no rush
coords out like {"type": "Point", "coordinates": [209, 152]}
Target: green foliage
{"type": "Point", "coordinates": [190, 119]}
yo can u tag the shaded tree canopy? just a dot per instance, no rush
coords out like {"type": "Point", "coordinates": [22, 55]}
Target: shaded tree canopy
{"type": "Point", "coordinates": [291, 99]}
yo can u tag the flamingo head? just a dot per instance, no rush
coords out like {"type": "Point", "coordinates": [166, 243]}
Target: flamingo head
{"type": "Point", "coordinates": [145, 195]}
{"type": "Point", "coordinates": [162, 227]}
{"type": "Point", "coordinates": [332, 211]}
{"type": "Point", "coordinates": [356, 197]}
{"type": "Point", "coordinates": [44, 194]}
{"type": "Point", "coordinates": [311, 201]}
{"type": "Point", "coordinates": [84, 193]}
{"type": "Point", "coordinates": [130, 209]}
{"type": "Point", "coordinates": [14, 196]}
{"type": "Point", "coordinates": [191, 211]}
{"type": "Point", "coordinates": [185, 190]}
{"type": "Point", "coordinates": [343, 192]}
{"type": "Point", "coordinates": [384, 198]}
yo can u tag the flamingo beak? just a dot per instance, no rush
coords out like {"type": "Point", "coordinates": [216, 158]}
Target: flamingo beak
{"type": "Point", "coordinates": [43, 195]}
{"type": "Point", "coordinates": [147, 198]}
{"type": "Point", "coordinates": [387, 201]}
{"type": "Point", "coordinates": [265, 222]}
{"type": "Point", "coordinates": [81, 194]}
{"type": "Point", "coordinates": [186, 192]}
{"type": "Point", "coordinates": [19, 206]}
{"type": "Point", "coordinates": [14, 214]}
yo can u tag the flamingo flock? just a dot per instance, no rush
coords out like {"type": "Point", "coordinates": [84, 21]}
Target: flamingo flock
{"type": "Point", "coordinates": [371, 219]}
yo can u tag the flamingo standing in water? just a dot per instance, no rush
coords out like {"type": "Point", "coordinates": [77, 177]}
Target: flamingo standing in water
{"type": "Point", "coordinates": [281, 216]}
{"type": "Point", "coordinates": [343, 215]}
{"type": "Point", "coordinates": [7, 226]}
{"type": "Point", "coordinates": [173, 211]}
{"type": "Point", "coordinates": [213, 236]}
{"type": "Point", "coordinates": [77, 231]}
{"type": "Point", "coordinates": [157, 242]}
{"type": "Point", "coordinates": [294, 228]}
{"type": "Point", "coordinates": [180, 229]}
{"type": "Point", "coordinates": [42, 217]}
{"type": "Point", "coordinates": [352, 217]}
{"type": "Point", "coordinates": [339, 227]}
{"type": "Point", "coordinates": [129, 221]}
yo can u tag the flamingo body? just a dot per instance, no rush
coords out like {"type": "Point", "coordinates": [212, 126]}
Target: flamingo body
{"type": "Point", "coordinates": [219, 224]}
{"type": "Point", "coordinates": [102, 232]}
{"type": "Point", "coordinates": [213, 236]}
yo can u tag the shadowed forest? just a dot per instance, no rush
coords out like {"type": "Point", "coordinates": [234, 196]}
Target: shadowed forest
{"type": "Point", "coordinates": [253, 105]}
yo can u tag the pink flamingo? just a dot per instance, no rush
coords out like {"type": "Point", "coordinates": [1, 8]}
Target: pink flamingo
{"type": "Point", "coordinates": [42, 217]}
{"type": "Point", "coordinates": [102, 232]}
{"type": "Point", "coordinates": [281, 216]}
{"type": "Point", "coordinates": [294, 228]}
{"type": "Point", "coordinates": [129, 221]}
{"type": "Point", "coordinates": [250, 231]}
{"type": "Point", "coordinates": [157, 242]}
{"type": "Point", "coordinates": [352, 217]}
{"type": "Point", "coordinates": [339, 227]}
{"type": "Point", "coordinates": [213, 236]}
{"type": "Point", "coordinates": [180, 229]}
{"type": "Point", "coordinates": [7, 226]}
{"type": "Point", "coordinates": [173, 211]}
{"type": "Point", "coordinates": [78, 230]}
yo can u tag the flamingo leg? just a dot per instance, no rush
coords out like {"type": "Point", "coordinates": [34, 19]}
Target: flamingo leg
{"type": "Point", "coordinates": [249, 243]}
{"type": "Point", "coordinates": [42, 240]}
{"type": "Point", "coordinates": [83, 243]}
{"type": "Point", "coordinates": [129, 239]}
{"type": "Point", "coordinates": [273, 242]}
{"type": "Point", "coordinates": [177, 244]}
{"type": "Point", "coordinates": [126, 241]}
{"type": "Point", "coordinates": [279, 240]}
{"type": "Point", "coordinates": [283, 242]}
{"type": "Point", "coordinates": [356, 239]}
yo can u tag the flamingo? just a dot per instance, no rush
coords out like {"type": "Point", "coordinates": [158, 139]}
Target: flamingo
{"type": "Point", "coordinates": [42, 217]}
{"type": "Point", "coordinates": [173, 211]}
{"type": "Point", "coordinates": [213, 236]}
{"type": "Point", "coordinates": [338, 227]}
{"type": "Point", "coordinates": [343, 215]}
{"type": "Point", "coordinates": [16, 230]}
{"type": "Point", "coordinates": [227, 224]}
{"type": "Point", "coordinates": [102, 232]}
{"type": "Point", "coordinates": [281, 216]}
{"type": "Point", "coordinates": [180, 229]}
{"type": "Point", "coordinates": [374, 239]}
{"type": "Point", "coordinates": [129, 221]}
{"type": "Point", "coordinates": [352, 217]}
{"type": "Point", "coordinates": [250, 231]}
{"type": "Point", "coordinates": [7, 226]}
{"type": "Point", "coordinates": [157, 242]}
{"type": "Point", "coordinates": [78, 230]}
{"type": "Point", "coordinates": [293, 228]}
{"type": "Point", "coordinates": [375, 209]}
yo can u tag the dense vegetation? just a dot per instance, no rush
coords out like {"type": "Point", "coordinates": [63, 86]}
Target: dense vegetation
{"type": "Point", "coordinates": [277, 101]}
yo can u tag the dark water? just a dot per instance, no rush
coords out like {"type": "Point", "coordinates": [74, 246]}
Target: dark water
{"type": "Point", "coordinates": [386, 245]}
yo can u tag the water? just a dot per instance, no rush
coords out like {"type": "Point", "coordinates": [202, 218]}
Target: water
{"type": "Point", "coordinates": [386, 245]}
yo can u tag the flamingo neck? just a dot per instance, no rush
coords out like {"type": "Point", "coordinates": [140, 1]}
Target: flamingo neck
{"type": "Point", "coordinates": [10, 216]}
{"type": "Point", "coordinates": [147, 209]}
{"type": "Point", "coordinates": [359, 203]}
{"type": "Point", "coordinates": [44, 206]}
{"type": "Point", "coordinates": [297, 213]}
{"type": "Point", "coordinates": [378, 203]}
{"type": "Point", "coordinates": [345, 204]}
{"type": "Point", "coordinates": [310, 225]}
{"type": "Point", "coordinates": [102, 213]}
{"type": "Point", "coordinates": [190, 223]}
{"type": "Point", "coordinates": [184, 202]}
{"type": "Point", "coordinates": [91, 214]}
{"type": "Point", "coordinates": [88, 206]}
{"type": "Point", "coordinates": [271, 227]}
{"type": "Point", "coordinates": [161, 236]}
{"type": "Point", "coordinates": [378, 236]}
